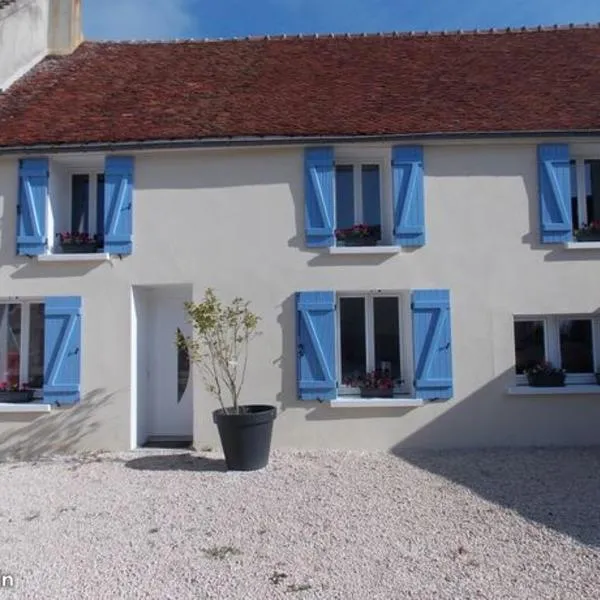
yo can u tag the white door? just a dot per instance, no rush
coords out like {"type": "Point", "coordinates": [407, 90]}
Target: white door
{"type": "Point", "coordinates": [169, 376]}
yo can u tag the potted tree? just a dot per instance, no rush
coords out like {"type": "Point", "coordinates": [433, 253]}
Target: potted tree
{"type": "Point", "coordinates": [376, 384]}
{"type": "Point", "coordinates": [219, 345]}
{"type": "Point", "coordinates": [14, 393]}
{"type": "Point", "coordinates": [545, 375]}
{"type": "Point", "coordinates": [74, 242]}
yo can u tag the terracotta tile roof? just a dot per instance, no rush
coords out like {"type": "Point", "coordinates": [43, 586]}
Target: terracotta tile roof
{"type": "Point", "coordinates": [526, 80]}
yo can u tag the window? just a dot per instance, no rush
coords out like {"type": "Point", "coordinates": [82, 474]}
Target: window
{"type": "Point", "coordinates": [370, 337]}
{"type": "Point", "coordinates": [76, 205]}
{"type": "Point", "coordinates": [585, 192]}
{"type": "Point", "coordinates": [22, 343]}
{"type": "Point", "coordinates": [358, 197]}
{"type": "Point", "coordinates": [568, 342]}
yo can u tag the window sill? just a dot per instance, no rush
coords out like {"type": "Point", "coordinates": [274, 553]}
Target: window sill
{"type": "Point", "coordinates": [567, 390]}
{"type": "Point", "coordinates": [582, 245]}
{"type": "Point", "coordinates": [364, 249]}
{"type": "Point", "coordinates": [24, 408]}
{"type": "Point", "coordinates": [88, 257]}
{"type": "Point", "coordinates": [350, 402]}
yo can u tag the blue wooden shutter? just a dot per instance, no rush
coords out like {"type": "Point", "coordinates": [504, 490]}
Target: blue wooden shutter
{"type": "Point", "coordinates": [118, 205]}
{"type": "Point", "coordinates": [409, 195]}
{"type": "Point", "coordinates": [432, 344]}
{"type": "Point", "coordinates": [315, 336]}
{"type": "Point", "coordinates": [319, 197]}
{"type": "Point", "coordinates": [555, 193]}
{"type": "Point", "coordinates": [31, 210]}
{"type": "Point", "coordinates": [62, 349]}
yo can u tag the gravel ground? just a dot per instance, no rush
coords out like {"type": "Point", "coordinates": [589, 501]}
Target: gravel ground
{"type": "Point", "coordinates": [163, 524]}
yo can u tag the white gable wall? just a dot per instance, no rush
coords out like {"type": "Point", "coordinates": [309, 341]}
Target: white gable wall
{"type": "Point", "coordinates": [233, 220]}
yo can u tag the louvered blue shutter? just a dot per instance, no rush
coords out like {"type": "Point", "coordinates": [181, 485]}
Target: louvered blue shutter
{"type": "Point", "coordinates": [62, 349]}
{"type": "Point", "coordinates": [555, 193]}
{"type": "Point", "coordinates": [319, 197]}
{"type": "Point", "coordinates": [432, 344]}
{"type": "Point", "coordinates": [409, 195]}
{"type": "Point", "coordinates": [315, 336]}
{"type": "Point", "coordinates": [118, 205]}
{"type": "Point", "coordinates": [31, 210]}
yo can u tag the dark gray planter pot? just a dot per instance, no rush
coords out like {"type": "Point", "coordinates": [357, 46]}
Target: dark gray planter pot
{"type": "Point", "coordinates": [246, 436]}
{"type": "Point", "coordinates": [21, 397]}
{"type": "Point", "coordinates": [359, 241]}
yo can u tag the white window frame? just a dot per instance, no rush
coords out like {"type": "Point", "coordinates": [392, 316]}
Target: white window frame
{"type": "Point", "coordinates": [552, 344]}
{"type": "Point", "coordinates": [25, 332]}
{"type": "Point", "coordinates": [381, 158]}
{"type": "Point", "coordinates": [405, 337]}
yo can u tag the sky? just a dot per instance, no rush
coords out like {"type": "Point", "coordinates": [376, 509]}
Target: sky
{"type": "Point", "coordinates": [182, 19]}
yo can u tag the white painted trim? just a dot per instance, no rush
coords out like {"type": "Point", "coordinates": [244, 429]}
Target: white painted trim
{"type": "Point", "coordinates": [22, 71]}
{"type": "Point", "coordinates": [567, 390]}
{"type": "Point", "coordinates": [133, 416]}
{"type": "Point", "coordinates": [349, 402]}
{"type": "Point", "coordinates": [365, 249]}
{"type": "Point", "coordinates": [87, 257]}
{"type": "Point", "coordinates": [24, 408]}
{"type": "Point", "coordinates": [581, 245]}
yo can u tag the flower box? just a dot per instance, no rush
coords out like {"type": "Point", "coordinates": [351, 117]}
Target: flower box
{"type": "Point", "coordinates": [376, 392]}
{"type": "Point", "coordinates": [89, 248]}
{"type": "Point", "coordinates": [16, 397]}
{"type": "Point", "coordinates": [546, 379]}
{"type": "Point", "coordinates": [589, 232]}
{"type": "Point", "coordinates": [358, 241]}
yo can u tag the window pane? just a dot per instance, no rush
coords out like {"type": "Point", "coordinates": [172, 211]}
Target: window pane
{"type": "Point", "coordinates": [100, 207]}
{"type": "Point", "coordinates": [10, 342]}
{"type": "Point", "coordinates": [592, 176]}
{"type": "Point", "coordinates": [183, 365]}
{"type": "Point", "coordinates": [344, 196]}
{"type": "Point", "coordinates": [80, 203]}
{"type": "Point", "coordinates": [371, 195]}
{"type": "Point", "coordinates": [576, 351]}
{"type": "Point", "coordinates": [352, 333]}
{"type": "Point", "coordinates": [574, 205]}
{"type": "Point", "coordinates": [387, 335]}
{"type": "Point", "coordinates": [36, 346]}
{"type": "Point", "coordinates": [529, 344]}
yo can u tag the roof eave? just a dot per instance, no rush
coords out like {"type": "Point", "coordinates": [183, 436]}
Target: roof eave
{"type": "Point", "coordinates": [276, 140]}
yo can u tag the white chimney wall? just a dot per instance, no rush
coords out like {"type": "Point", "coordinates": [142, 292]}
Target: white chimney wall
{"type": "Point", "coordinates": [30, 30]}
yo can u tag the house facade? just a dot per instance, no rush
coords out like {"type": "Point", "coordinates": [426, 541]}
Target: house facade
{"type": "Point", "coordinates": [241, 166]}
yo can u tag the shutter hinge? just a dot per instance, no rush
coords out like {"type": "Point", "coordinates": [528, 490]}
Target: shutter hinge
{"type": "Point", "coordinates": [18, 209]}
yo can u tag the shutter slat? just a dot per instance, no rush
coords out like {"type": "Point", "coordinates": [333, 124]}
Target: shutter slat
{"type": "Point", "coordinates": [432, 344]}
{"type": "Point", "coordinates": [31, 213]}
{"type": "Point", "coordinates": [62, 349]}
{"type": "Point", "coordinates": [315, 337]}
{"type": "Point", "coordinates": [319, 197]}
{"type": "Point", "coordinates": [409, 195]}
{"type": "Point", "coordinates": [554, 174]}
{"type": "Point", "coordinates": [118, 204]}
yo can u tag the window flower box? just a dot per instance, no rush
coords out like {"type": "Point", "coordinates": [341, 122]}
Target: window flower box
{"type": "Point", "coordinates": [77, 243]}
{"type": "Point", "coordinates": [15, 394]}
{"type": "Point", "coordinates": [589, 232]}
{"type": "Point", "coordinates": [376, 384]}
{"type": "Point", "coordinates": [545, 375]}
{"type": "Point", "coordinates": [359, 235]}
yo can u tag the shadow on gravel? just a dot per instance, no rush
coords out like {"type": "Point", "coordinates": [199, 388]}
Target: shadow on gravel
{"type": "Point", "coordinates": [176, 462]}
{"type": "Point", "coordinates": [558, 488]}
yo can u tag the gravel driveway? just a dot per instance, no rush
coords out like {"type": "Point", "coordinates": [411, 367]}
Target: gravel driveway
{"type": "Point", "coordinates": [154, 524]}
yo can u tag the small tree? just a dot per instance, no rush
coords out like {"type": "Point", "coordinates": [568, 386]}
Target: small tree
{"type": "Point", "coordinates": [219, 344]}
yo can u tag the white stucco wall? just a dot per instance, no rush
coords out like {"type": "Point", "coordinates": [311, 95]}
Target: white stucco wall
{"type": "Point", "coordinates": [233, 220]}
{"type": "Point", "coordinates": [23, 38]}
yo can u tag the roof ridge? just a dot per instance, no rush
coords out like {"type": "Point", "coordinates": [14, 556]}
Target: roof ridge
{"type": "Point", "coordinates": [380, 34]}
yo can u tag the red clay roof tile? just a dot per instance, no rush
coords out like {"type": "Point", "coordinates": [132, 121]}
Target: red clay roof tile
{"type": "Point", "coordinates": [521, 81]}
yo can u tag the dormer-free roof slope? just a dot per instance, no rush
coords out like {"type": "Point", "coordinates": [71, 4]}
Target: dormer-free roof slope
{"type": "Point", "coordinates": [396, 84]}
